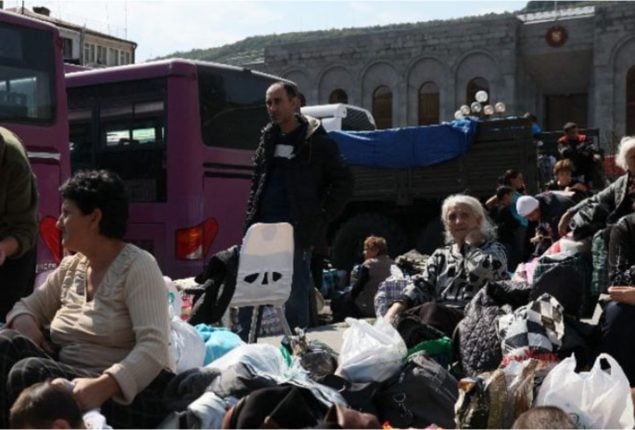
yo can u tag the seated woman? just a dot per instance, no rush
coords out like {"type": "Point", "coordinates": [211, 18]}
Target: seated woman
{"type": "Point", "coordinates": [564, 181]}
{"type": "Point", "coordinates": [456, 272]}
{"type": "Point", "coordinates": [618, 322]}
{"type": "Point", "coordinates": [359, 302]}
{"type": "Point", "coordinates": [108, 314]}
{"type": "Point", "coordinates": [613, 202]}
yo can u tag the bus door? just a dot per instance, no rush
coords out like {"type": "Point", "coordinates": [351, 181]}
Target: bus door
{"type": "Point", "coordinates": [233, 113]}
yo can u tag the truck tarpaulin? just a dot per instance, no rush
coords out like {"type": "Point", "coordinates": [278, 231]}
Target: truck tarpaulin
{"type": "Point", "coordinates": [406, 147]}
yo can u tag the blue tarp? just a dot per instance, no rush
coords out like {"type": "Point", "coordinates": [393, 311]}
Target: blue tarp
{"type": "Point", "coordinates": [406, 147]}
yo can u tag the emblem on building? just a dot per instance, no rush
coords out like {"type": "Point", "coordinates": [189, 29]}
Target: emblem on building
{"type": "Point", "coordinates": [556, 36]}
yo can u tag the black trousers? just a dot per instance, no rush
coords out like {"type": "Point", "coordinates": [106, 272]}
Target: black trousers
{"type": "Point", "coordinates": [16, 280]}
{"type": "Point", "coordinates": [22, 364]}
{"type": "Point", "coordinates": [618, 325]}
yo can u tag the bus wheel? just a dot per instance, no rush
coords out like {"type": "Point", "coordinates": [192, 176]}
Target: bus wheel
{"type": "Point", "coordinates": [348, 241]}
{"type": "Point", "coordinates": [430, 236]}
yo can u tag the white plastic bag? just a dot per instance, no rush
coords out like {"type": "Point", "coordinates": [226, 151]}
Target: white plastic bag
{"type": "Point", "coordinates": [370, 353]}
{"type": "Point", "coordinates": [186, 345]}
{"type": "Point", "coordinates": [174, 298]}
{"type": "Point", "coordinates": [596, 399]}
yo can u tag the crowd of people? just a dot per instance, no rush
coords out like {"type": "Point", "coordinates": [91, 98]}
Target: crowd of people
{"type": "Point", "coordinates": [96, 335]}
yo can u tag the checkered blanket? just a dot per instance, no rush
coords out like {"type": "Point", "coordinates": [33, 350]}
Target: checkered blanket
{"type": "Point", "coordinates": [532, 331]}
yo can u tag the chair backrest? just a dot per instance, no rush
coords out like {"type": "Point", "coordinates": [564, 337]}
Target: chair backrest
{"type": "Point", "coordinates": [265, 266]}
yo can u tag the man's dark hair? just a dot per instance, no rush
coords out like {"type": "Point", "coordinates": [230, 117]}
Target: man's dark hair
{"type": "Point", "coordinates": [41, 404]}
{"type": "Point", "coordinates": [507, 177]}
{"type": "Point", "coordinates": [290, 88]}
{"type": "Point", "coordinates": [103, 190]}
{"type": "Point", "coordinates": [503, 190]}
{"type": "Point", "coordinates": [569, 126]}
{"type": "Point", "coordinates": [544, 417]}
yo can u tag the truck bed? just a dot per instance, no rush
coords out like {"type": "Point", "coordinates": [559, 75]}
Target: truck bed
{"type": "Point", "coordinates": [499, 145]}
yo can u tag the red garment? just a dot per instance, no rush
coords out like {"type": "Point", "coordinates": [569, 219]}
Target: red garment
{"type": "Point", "coordinates": [580, 137]}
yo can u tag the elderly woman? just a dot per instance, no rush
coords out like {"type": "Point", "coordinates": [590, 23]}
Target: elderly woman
{"type": "Point", "coordinates": [108, 314]}
{"type": "Point", "coordinates": [613, 202]}
{"type": "Point", "coordinates": [455, 272]}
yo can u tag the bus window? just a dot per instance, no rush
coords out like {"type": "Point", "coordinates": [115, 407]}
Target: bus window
{"type": "Point", "coordinates": [128, 137]}
{"type": "Point", "coordinates": [26, 75]}
{"type": "Point", "coordinates": [232, 108]}
{"type": "Point", "coordinates": [81, 136]}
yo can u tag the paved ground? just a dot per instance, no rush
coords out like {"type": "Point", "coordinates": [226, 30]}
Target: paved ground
{"type": "Point", "coordinates": [332, 334]}
{"type": "Point", "coordinates": [329, 334]}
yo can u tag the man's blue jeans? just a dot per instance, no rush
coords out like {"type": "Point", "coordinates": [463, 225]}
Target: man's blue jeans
{"type": "Point", "coordinates": [297, 307]}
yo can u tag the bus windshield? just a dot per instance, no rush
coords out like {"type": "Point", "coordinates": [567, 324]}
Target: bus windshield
{"type": "Point", "coordinates": [27, 66]}
{"type": "Point", "coordinates": [33, 106]}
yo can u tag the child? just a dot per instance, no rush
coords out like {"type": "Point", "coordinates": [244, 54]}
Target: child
{"type": "Point", "coordinates": [51, 405]}
{"type": "Point", "coordinates": [543, 417]}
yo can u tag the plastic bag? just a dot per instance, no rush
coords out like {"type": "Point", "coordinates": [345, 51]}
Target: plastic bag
{"type": "Point", "coordinates": [174, 298]}
{"type": "Point", "coordinates": [267, 361]}
{"type": "Point", "coordinates": [595, 399]}
{"type": "Point", "coordinates": [370, 353]}
{"type": "Point", "coordinates": [186, 346]}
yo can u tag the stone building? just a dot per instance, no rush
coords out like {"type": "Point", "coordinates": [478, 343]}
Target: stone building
{"type": "Point", "coordinates": [571, 64]}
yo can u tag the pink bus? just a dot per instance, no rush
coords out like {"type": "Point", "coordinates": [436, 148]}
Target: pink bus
{"type": "Point", "coordinates": [33, 105]}
{"type": "Point", "coordinates": [181, 135]}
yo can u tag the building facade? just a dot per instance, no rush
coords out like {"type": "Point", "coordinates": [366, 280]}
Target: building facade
{"type": "Point", "coordinates": [575, 64]}
{"type": "Point", "coordinates": [84, 46]}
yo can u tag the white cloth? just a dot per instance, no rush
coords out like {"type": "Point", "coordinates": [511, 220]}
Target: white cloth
{"type": "Point", "coordinates": [94, 420]}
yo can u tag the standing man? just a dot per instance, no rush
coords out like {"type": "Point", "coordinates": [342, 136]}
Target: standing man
{"type": "Point", "coordinates": [300, 178]}
{"type": "Point", "coordinates": [18, 222]}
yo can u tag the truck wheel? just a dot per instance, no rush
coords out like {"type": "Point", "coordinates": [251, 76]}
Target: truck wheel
{"type": "Point", "coordinates": [430, 237]}
{"type": "Point", "coordinates": [349, 239]}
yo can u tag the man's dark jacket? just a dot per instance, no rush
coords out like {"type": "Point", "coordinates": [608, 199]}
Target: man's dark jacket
{"type": "Point", "coordinates": [319, 182]}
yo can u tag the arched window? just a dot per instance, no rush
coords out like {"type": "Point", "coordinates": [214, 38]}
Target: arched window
{"type": "Point", "coordinates": [428, 104]}
{"type": "Point", "coordinates": [338, 96]}
{"type": "Point", "coordinates": [630, 102]}
{"type": "Point", "coordinates": [382, 107]}
{"type": "Point", "coordinates": [474, 86]}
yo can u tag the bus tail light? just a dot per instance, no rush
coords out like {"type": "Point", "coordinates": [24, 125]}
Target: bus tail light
{"type": "Point", "coordinates": [193, 243]}
{"type": "Point", "coordinates": [51, 237]}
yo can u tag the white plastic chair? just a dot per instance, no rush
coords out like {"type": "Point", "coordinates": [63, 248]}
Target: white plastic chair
{"type": "Point", "coordinates": [265, 271]}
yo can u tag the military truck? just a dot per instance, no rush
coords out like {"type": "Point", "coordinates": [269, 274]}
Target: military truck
{"type": "Point", "coordinates": [403, 204]}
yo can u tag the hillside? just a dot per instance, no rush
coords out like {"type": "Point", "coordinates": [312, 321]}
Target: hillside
{"type": "Point", "coordinates": [251, 51]}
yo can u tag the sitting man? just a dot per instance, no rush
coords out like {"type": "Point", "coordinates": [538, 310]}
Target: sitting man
{"type": "Point", "coordinates": [583, 153]}
{"type": "Point", "coordinates": [546, 210]}
{"type": "Point", "coordinates": [359, 302]}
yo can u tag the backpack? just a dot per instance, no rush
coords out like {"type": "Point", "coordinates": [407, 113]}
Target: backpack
{"type": "Point", "coordinates": [422, 393]}
{"type": "Point", "coordinates": [217, 286]}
